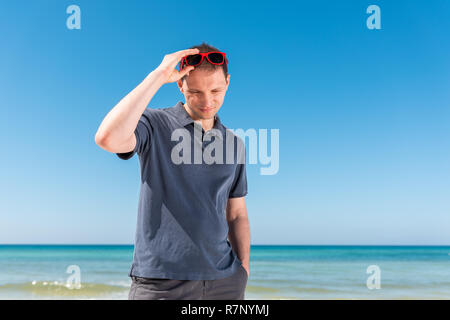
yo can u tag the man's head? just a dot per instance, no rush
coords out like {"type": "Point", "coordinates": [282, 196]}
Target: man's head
{"type": "Point", "coordinates": [204, 87]}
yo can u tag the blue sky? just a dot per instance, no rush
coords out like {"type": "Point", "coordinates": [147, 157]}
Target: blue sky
{"type": "Point", "coordinates": [364, 115]}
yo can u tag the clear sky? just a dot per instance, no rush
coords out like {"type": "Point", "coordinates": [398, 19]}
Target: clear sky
{"type": "Point", "coordinates": [363, 115]}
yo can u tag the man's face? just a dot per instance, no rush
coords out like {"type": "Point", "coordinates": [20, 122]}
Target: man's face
{"type": "Point", "coordinates": [204, 91]}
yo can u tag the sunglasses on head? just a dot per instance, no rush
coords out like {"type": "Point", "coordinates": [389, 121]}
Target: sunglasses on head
{"type": "Point", "coordinates": [214, 57]}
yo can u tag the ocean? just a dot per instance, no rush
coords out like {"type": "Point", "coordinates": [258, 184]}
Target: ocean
{"type": "Point", "coordinates": [276, 272]}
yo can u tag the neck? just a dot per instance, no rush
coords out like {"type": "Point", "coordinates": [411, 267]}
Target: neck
{"type": "Point", "coordinates": [207, 124]}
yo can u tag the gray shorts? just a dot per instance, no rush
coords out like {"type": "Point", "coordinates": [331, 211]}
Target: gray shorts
{"type": "Point", "coordinates": [230, 288]}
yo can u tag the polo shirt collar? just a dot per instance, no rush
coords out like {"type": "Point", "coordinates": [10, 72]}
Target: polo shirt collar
{"type": "Point", "coordinates": [184, 118]}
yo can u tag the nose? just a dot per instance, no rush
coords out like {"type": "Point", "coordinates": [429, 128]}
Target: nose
{"type": "Point", "coordinates": [208, 101]}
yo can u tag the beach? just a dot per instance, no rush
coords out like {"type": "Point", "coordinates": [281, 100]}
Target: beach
{"type": "Point", "coordinates": [276, 272]}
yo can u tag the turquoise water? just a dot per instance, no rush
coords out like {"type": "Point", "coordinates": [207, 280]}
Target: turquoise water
{"type": "Point", "coordinates": [277, 272]}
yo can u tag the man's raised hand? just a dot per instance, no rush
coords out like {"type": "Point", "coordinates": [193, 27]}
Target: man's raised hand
{"type": "Point", "coordinates": [169, 63]}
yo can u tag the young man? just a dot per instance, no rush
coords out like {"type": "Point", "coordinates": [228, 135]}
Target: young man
{"type": "Point", "coordinates": [188, 204]}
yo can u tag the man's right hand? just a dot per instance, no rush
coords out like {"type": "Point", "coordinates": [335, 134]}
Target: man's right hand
{"type": "Point", "coordinates": [116, 132]}
{"type": "Point", "coordinates": [170, 61]}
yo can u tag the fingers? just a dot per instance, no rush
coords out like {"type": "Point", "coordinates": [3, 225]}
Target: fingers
{"type": "Point", "coordinates": [177, 75]}
{"type": "Point", "coordinates": [170, 61]}
{"type": "Point", "coordinates": [180, 54]}
{"type": "Point", "coordinates": [186, 52]}
{"type": "Point", "coordinates": [186, 71]}
{"type": "Point", "coordinates": [174, 58]}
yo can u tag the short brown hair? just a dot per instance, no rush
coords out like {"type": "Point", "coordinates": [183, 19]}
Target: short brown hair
{"type": "Point", "coordinates": [204, 47]}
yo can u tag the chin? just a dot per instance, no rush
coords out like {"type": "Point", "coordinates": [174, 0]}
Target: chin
{"type": "Point", "coordinates": [211, 111]}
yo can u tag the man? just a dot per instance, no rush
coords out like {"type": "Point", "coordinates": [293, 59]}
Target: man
{"type": "Point", "coordinates": [187, 208]}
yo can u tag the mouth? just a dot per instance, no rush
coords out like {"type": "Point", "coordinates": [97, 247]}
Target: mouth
{"type": "Point", "coordinates": [206, 109]}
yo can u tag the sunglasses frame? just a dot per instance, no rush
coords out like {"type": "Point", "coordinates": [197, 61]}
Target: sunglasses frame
{"type": "Point", "coordinates": [203, 54]}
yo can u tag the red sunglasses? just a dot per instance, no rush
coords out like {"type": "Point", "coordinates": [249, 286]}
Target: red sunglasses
{"type": "Point", "coordinates": [214, 57]}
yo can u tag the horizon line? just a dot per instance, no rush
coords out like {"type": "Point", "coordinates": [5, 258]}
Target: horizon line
{"type": "Point", "coordinates": [285, 245]}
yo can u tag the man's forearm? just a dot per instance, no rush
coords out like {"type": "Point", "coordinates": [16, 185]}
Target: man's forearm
{"type": "Point", "coordinates": [239, 236]}
{"type": "Point", "coordinates": [121, 122]}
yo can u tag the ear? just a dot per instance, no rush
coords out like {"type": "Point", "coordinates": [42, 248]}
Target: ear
{"type": "Point", "coordinates": [228, 80]}
{"type": "Point", "coordinates": [180, 85]}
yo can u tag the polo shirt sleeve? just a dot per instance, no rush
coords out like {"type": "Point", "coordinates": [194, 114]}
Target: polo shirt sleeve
{"type": "Point", "coordinates": [143, 133]}
{"type": "Point", "coordinates": [239, 186]}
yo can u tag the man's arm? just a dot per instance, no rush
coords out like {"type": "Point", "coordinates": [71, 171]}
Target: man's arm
{"type": "Point", "coordinates": [239, 230]}
{"type": "Point", "coordinates": [116, 132]}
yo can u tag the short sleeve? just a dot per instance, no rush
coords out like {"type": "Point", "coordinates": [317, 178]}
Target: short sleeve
{"type": "Point", "coordinates": [239, 186]}
{"type": "Point", "coordinates": [143, 133]}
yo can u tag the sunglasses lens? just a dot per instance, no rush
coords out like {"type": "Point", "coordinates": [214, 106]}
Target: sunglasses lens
{"type": "Point", "coordinates": [193, 59]}
{"type": "Point", "coordinates": [215, 57]}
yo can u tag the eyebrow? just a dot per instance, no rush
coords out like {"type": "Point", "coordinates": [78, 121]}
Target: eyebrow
{"type": "Point", "coordinates": [193, 89]}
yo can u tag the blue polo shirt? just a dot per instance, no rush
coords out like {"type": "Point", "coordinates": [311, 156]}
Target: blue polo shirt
{"type": "Point", "coordinates": [181, 226]}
